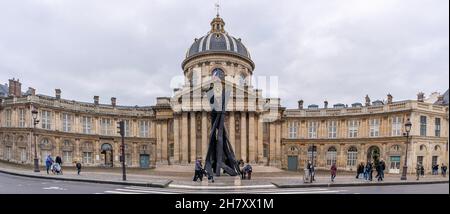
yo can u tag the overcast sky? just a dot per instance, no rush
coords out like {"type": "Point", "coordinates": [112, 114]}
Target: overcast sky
{"type": "Point", "coordinates": [335, 50]}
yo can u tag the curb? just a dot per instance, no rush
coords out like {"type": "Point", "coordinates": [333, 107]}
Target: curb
{"type": "Point", "coordinates": [158, 185]}
{"type": "Point", "coordinates": [356, 184]}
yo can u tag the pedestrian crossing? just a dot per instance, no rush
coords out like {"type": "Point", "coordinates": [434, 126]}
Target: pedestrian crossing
{"type": "Point", "coordinates": [150, 190]}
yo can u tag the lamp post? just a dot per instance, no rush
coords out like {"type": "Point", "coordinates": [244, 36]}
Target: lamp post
{"type": "Point", "coordinates": [405, 166]}
{"type": "Point", "coordinates": [34, 114]}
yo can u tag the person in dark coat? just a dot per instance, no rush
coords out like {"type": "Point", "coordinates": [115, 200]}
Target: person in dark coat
{"type": "Point", "coordinates": [333, 170]}
{"type": "Point", "coordinates": [443, 170]}
{"type": "Point", "coordinates": [418, 169]}
{"type": "Point", "coordinates": [58, 160]}
{"type": "Point", "coordinates": [198, 171]}
{"type": "Point", "coordinates": [359, 170]}
{"type": "Point", "coordinates": [248, 171]}
{"type": "Point", "coordinates": [48, 163]}
{"type": "Point", "coordinates": [369, 171]}
{"type": "Point", "coordinates": [422, 171]}
{"type": "Point", "coordinates": [78, 165]}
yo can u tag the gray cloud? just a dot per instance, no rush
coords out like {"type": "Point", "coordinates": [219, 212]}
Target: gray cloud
{"type": "Point", "coordinates": [339, 50]}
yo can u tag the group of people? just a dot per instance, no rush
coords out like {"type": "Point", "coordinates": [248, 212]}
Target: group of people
{"type": "Point", "coordinates": [366, 171]}
{"type": "Point", "coordinates": [435, 169]}
{"type": "Point", "coordinates": [200, 172]}
{"type": "Point", "coordinates": [55, 166]}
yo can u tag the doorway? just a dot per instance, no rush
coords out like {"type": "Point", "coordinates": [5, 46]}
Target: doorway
{"type": "Point", "coordinates": [293, 163]}
{"type": "Point", "coordinates": [144, 161]}
{"type": "Point", "coordinates": [373, 154]}
{"type": "Point", "coordinates": [107, 151]}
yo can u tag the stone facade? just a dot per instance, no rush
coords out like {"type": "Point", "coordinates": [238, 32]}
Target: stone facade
{"type": "Point", "coordinates": [261, 131]}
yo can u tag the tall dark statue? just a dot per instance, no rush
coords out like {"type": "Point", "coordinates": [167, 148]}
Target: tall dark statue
{"type": "Point", "coordinates": [220, 154]}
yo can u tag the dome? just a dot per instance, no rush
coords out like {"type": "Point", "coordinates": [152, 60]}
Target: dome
{"type": "Point", "coordinates": [217, 40]}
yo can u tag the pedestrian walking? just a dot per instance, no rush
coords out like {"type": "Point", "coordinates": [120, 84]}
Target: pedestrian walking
{"type": "Point", "coordinates": [422, 171]}
{"type": "Point", "coordinates": [369, 171]}
{"type": "Point", "coordinates": [198, 170]}
{"type": "Point", "coordinates": [443, 170]}
{"type": "Point", "coordinates": [48, 163]}
{"type": "Point", "coordinates": [58, 160]}
{"type": "Point", "coordinates": [418, 171]}
{"type": "Point", "coordinates": [333, 170]}
{"type": "Point", "coordinates": [382, 168]}
{"type": "Point", "coordinates": [248, 171]}
{"type": "Point", "coordinates": [360, 170]}
{"type": "Point", "coordinates": [78, 165]}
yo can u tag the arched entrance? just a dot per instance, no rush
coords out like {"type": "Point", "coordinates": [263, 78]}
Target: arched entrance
{"type": "Point", "coordinates": [373, 154]}
{"type": "Point", "coordinates": [107, 151]}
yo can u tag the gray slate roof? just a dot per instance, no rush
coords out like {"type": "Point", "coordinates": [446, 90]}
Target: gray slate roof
{"type": "Point", "coordinates": [218, 42]}
{"type": "Point", "coordinates": [3, 90]}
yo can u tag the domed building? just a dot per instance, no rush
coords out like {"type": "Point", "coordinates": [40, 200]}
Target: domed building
{"type": "Point", "coordinates": [175, 131]}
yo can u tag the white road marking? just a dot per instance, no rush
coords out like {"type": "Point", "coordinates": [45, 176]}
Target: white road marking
{"type": "Point", "coordinates": [53, 188]}
{"type": "Point", "coordinates": [118, 192]}
{"type": "Point", "coordinates": [221, 187]}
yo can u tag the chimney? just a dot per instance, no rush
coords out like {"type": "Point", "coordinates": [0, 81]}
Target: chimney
{"type": "Point", "coordinates": [15, 88]}
{"type": "Point", "coordinates": [420, 97]}
{"type": "Point", "coordinates": [96, 98]}
{"type": "Point", "coordinates": [389, 99]}
{"type": "Point", "coordinates": [113, 101]}
{"type": "Point", "coordinates": [58, 93]}
{"type": "Point", "coordinates": [325, 104]}
{"type": "Point", "coordinates": [32, 91]}
{"type": "Point", "coordinates": [300, 104]}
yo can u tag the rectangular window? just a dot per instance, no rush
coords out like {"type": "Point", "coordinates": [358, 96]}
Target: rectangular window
{"type": "Point", "coordinates": [352, 157]}
{"type": "Point", "coordinates": [128, 159]}
{"type": "Point", "coordinates": [265, 150]}
{"type": "Point", "coordinates": [437, 127]}
{"type": "Point", "coordinates": [171, 150]}
{"type": "Point", "coordinates": [143, 128]}
{"type": "Point", "coordinates": [127, 128]}
{"type": "Point", "coordinates": [353, 126]}
{"type": "Point", "coordinates": [395, 164]}
{"type": "Point", "coordinates": [312, 129]}
{"type": "Point", "coordinates": [293, 129]}
{"type": "Point", "coordinates": [396, 126]}
{"type": "Point", "coordinates": [66, 120]}
{"type": "Point", "coordinates": [420, 160]}
{"type": "Point", "coordinates": [87, 157]}
{"type": "Point", "coordinates": [46, 119]}
{"type": "Point", "coordinates": [434, 160]}
{"type": "Point", "coordinates": [332, 129]}
{"type": "Point", "coordinates": [105, 126]}
{"type": "Point", "coordinates": [423, 125]}
{"type": "Point", "coordinates": [374, 125]}
{"type": "Point", "coordinates": [23, 154]}
{"type": "Point", "coordinates": [86, 123]}
{"type": "Point", "coordinates": [21, 117]}
{"type": "Point", "coordinates": [8, 152]}
{"type": "Point", "coordinates": [331, 158]}
{"type": "Point", "coordinates": [311, 158]}
{"type": "Point", "coordinates": [8, 119]}
{"type": "Point", "coordinates": [67, 156]}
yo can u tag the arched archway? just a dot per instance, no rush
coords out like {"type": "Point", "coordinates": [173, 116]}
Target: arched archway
{"type": "Point", "coordinates": [373, 154]}
{"type": "Point", "coordinates": [107, 151]}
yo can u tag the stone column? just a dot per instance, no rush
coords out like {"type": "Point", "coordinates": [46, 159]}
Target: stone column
{"type": "Point", "coordinates": [184, 138]}
{"type": "Point", "coordinates": [243, 136]}
{"type": "Point", "coordinates": [176, 139]}
{"type": "Point", "coordinates": [278, 143]}
{"type": "Point", "coordinates": [232, 129]}
{"type": "Point", "coordinates": [193, 138]}
{"type": "Point", "coordinates": [251, 137]}
{"type": "Point", "coordinates": [205, 133]}
{"type": "Point", "coordinates": [272, 143]}
{"type": "Point", "coordinates": [260, 139]}
{"type": "Point", "coordinates": [96, 152]}
{"type": "Point", "coordinates": [164, 146]}
{"type": "Point", "coordinates": [135, 155]}
{"type": "Point", "coordinates": [158, 141]}
{"type": "Point", "coordinates": [76, 153]}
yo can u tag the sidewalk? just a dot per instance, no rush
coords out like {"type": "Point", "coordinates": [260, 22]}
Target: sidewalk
{"type": "Point", "coordinates": [181, 177]}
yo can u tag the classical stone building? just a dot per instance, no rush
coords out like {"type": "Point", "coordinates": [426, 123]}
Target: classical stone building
{"type": "Point", "coordinates": [176, 129]}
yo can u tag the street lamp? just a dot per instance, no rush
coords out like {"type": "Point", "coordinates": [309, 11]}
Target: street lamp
{"type": "Point", "coordinates": [405, 166]}
{"type": "Point", "coordinates": [34, 113]}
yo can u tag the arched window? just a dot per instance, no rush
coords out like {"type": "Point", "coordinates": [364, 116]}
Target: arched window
{"type": "Point", "coordinates": [45, 141]}
{"type": "Point", "coordinates": [352, 156]}
{"type": "Point", "coordinates": [331, 156]}
{"type": "Point", "coordinates": [437, 148]}
{"type": "Point", "coordinates": [422, 148]}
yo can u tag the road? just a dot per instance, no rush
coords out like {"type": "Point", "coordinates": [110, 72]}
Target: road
{"type": "Point", "coordinates": [10, 184]}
